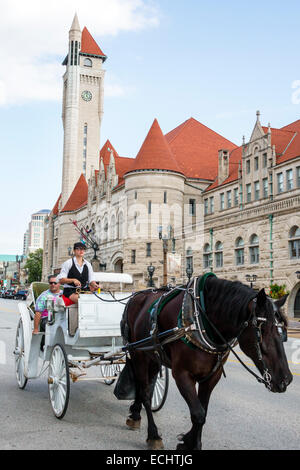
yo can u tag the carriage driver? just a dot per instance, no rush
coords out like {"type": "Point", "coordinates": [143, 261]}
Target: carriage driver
{"type": "Point", "coordinates": [76, 272]}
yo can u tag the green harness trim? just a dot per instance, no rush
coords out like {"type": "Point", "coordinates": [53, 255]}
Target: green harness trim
{"type": "Point", "coordinates": [208, 329]}
{"type": "Point", "coordinates": [153, 307]}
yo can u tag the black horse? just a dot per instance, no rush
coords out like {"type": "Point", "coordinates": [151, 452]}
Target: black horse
{"type": "Point", "coordinates": [234, 313]}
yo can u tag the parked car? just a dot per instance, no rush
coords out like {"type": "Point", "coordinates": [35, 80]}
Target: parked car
{"type": "Point", "coordinates": [9, 293]}
{"type": "Point", "coordinates": [21, 294]}
{"type": "Point", "coordinates": [2, 292]}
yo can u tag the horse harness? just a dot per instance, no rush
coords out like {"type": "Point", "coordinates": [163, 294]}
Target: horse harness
{"type": "Point", "coordinates": [201, 333]}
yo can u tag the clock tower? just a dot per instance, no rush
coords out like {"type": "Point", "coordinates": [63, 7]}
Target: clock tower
{"type": "Point", "coordinates": [82, 107]}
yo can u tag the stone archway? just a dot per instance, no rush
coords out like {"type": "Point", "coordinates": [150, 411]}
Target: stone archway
{"type": "Point", "coordinates": [294, 302]}
{"type": "Point", "coordinates": [118, 266]}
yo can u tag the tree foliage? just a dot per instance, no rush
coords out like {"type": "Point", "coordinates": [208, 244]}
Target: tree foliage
{"type": "Point", "coordinates": [34, 265]}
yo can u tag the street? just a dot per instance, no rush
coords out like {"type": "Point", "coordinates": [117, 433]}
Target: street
{"type": "Point", "coordinates": [242, 413]}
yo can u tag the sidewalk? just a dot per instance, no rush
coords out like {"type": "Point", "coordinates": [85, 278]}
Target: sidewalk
{"type": "Point", "coordinates": [294, 328]}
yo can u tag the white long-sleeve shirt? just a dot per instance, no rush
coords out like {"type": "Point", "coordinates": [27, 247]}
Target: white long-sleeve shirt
{"type": "Point", "coordinates": [66, 266]}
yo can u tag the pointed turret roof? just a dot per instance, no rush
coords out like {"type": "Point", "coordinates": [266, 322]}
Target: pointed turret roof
{"type": "Point", "coordinates": [75, 25]}
{"type": "Point", "coordinates": [79, 196]}
{"type": "Point", "coordinates": [89, 45]}
{"type": "Point", "coordinates": [155, 153]}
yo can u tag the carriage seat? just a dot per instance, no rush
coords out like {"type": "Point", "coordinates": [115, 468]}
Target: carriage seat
{"type": "Point", "coordinates": [73, 319]}
{"type": "Point", "coordinates": [35, 290]}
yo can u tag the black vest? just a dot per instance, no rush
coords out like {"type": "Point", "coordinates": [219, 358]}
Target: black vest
{"type": "Point", "coordinates": [75, 274]}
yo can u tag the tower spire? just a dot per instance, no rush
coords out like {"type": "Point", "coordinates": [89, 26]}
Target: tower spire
{"type": "Point", "coordinates": [75, 25]}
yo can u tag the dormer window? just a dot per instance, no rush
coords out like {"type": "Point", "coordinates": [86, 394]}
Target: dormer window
{"type": "Point", "coordinates": [88, 62]}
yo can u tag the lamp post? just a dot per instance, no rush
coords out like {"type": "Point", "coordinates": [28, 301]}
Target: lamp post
{"type": "Point", "coordinates": [70, 251]}
{"type": "Point", "coordinates": [251, 278]}
{"type": "Point", "coordinates": [5, 266]}
{"type": "Point", "coordinates": [189, 272]}
{"type": "Point", "coordinates": [165, 239]}
{"type": "Point", "coordinates": [19, 260]}
{"type": "Point", "coordinates": [150, 270]}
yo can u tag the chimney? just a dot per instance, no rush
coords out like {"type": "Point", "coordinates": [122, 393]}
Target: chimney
{"type": "Point", "coordinates": [223, 171]}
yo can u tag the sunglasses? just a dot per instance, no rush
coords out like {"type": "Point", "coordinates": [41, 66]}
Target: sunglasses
{"type": "Point", "coordinates": [53, 283]}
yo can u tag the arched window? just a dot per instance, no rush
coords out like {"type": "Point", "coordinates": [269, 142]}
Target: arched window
{"type": "Point", "coordinates": [113, 228]}
{"type": "Point", "coordinates": [219, 254]}
{"type": "Point", "coordinates": [207, 256]}
{"type": "Point", "coordinates": [239, 251]}
{"type": "Point", "coordinates": [294, 242]}
{"type": "Point", "coordinates": [254, 249]}
{"type": "Point", "coordinates": [189, 259]}
{"type": "Point", "coordinates": [88, 63]}
{"type": "Point", "coordinates": [105, 229]}
{"type": "Point", "coordinates": [120, 226]}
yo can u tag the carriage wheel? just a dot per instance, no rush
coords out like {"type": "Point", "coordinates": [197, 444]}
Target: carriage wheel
{"type": "Point", "coordinates": [110, 370]}
{"type": "Point", "coordinates": [160, 391]}
{"type": "Point", "coordinates": [19, 357]}
{"type": "Point", "coordinates": [59, 381]}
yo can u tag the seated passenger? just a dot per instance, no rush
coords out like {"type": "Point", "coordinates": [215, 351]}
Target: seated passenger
{"type": "Point", "coordinates": [41, 311]}
{"type": "Point", "coordinates": [75, 273]}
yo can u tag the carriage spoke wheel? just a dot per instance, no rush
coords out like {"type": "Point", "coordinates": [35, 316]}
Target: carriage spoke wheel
{"type": "Point", "coordinates": [59, 381]}
{"type": "Point", "coordinates": [109, 371]}
{"type": "Point", "coordinates": [160, 391]}
{"type": "Point", "coordinates": [19, 357]}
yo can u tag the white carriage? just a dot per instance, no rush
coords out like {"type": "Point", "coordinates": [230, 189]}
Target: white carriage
{"type": "Point", "coordinates": [75, 339]}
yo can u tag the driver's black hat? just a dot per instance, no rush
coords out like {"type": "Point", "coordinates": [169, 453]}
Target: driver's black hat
{"type": "Point", "coordinates": [79, 245]}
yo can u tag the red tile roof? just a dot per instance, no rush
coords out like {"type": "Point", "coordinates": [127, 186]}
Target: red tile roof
{"type": "Point", "coordinates": [89, 45]}
{"type": "Point", "coordinates": [105, 152]}
{"type": "Point", "coordinates": [55, 208]}
{"type": "Point", "coordinates": [155, 153]}
{"type": "Point", "coordinates": [196, 147]}
{"type": "Point", "coordinates": [79, 196]}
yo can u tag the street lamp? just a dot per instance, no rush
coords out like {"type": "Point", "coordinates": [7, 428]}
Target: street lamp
{"type": "Point", "coordinates": [150, 270]}
{"type": "Point", "coordinates": [5, 266]}
{"type": "Point", "coordinates": [19, 260]}
{"type": "Point", "coordinates": [251, 278]}
{"type": "Point", "coordinates": [165, 239]}
{"type": "Point", "coordinates": [189, 272]}
{"type": "Point", "coordinates": [70, 251]}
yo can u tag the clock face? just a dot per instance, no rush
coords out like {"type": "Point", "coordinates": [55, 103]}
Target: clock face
{"type": "Point", "coordinates": [86, 95]}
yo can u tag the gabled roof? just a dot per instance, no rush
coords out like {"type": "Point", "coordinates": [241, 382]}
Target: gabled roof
{"type": "Point", "coordinates": [79, 196]}
{"type": "Point", "coordinates": [155, 153]}
{"type": "Point", "coordinates": [89, 45]}
{"type": "Point", "coordinates": [196, 147]}
{"type": "Point", "coordinates": [55, 208]}
{"type": "Point", "coordinates": [105, 152]}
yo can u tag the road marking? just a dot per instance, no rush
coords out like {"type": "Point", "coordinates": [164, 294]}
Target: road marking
{"type": "Point", "coordinates": [2, 309]}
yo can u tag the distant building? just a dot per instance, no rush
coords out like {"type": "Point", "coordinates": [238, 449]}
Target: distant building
{"type": "Point", "coordinates": [26, 242]}
{"type": "Point", "coordinates": [34, 236]}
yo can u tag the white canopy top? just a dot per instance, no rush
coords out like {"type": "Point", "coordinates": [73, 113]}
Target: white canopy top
{"type": "Point", "coordinates": [113, 277]}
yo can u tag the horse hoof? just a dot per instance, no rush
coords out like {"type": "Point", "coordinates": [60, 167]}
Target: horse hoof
{"type": "Point", "coordinates": [134, 425]}
{"type": "Point", "coordinates": [155, 444]}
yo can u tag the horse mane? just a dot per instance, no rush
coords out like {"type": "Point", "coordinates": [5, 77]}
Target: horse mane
{"type": "Point", "coordinates": [228, 300]}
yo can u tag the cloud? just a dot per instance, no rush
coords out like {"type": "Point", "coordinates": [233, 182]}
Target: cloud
{"type": "Point", "coordinates": [34, 37]}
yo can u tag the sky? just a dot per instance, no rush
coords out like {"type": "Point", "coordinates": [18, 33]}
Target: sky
{"type": "Point", "coordinates": [217, 61]}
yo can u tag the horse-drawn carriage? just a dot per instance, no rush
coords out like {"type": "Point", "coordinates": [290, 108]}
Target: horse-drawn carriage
{"type": "Point", "coordinates": [75, 339]}
{"type": "Point", "coordinates": [193, 328]}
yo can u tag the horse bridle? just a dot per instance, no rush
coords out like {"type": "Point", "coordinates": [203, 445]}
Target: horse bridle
{"type": "Point", "coordinates": [256, 322]}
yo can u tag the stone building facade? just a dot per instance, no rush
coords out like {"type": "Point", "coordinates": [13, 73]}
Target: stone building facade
{"type": "Point", "coordinates": [190, 198]}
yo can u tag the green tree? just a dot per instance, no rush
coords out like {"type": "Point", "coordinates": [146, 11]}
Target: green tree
{"type": "Point", "coordinates": [34, 265]}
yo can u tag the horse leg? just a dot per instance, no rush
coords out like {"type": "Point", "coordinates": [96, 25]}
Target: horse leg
{"type": "Point", "coordinates": [134, 419]}
{"type": "Point", "coordinates": [187, 387]}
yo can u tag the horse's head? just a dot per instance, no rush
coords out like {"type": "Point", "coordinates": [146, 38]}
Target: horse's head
{"type": "Point", "coordinates": [263, 339]}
